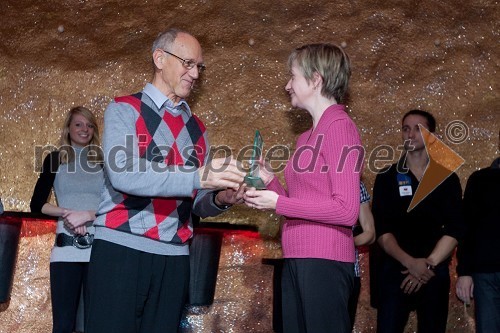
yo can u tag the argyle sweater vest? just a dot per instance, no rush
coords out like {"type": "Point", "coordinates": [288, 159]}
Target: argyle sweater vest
{"type": "Point", "coordinates": [173, 140]}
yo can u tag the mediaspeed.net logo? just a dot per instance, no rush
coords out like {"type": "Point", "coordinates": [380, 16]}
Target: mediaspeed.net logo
{"type": "Point", "coordinates": [444, 161]}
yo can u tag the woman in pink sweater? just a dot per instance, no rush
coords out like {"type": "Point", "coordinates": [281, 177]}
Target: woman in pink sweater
{"type": "Point", "coordinates": [321, 202]}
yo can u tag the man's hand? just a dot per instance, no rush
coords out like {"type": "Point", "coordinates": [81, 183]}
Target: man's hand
{"type": "Point", "coordinates": [230, 197]}
{"type": "Point", "coordinates": [419, 269]}
{"type": "Point", "coordinates": [465, 288]}
{"type": "Point", "coordinates": [411, 284]}
{"type": "Point", "coordinates": [221, 173]}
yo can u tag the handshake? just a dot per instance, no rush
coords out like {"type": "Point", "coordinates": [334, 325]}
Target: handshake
{"type": "Point", "coordinates": [228, 176]}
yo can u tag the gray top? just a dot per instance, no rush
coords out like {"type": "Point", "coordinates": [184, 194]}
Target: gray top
{"type": "Point", "coordinates": [1, 207]}
{"type": "Point", "coordinates": [128, 174]}
{"type": "Point", "coordinates": [77, 186]}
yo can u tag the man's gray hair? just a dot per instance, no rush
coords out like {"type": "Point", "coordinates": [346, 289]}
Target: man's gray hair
{"type": "Point", "coordinates": [165, 39]}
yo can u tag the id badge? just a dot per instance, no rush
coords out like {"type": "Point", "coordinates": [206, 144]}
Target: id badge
{"type": "Point", "coordinates": [404, 182]}
{"type": "Point", "coordinates": [405, 191]}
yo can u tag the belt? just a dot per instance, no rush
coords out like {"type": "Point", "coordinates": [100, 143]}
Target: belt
{"type": "Point", "coordinates": [78, 241]}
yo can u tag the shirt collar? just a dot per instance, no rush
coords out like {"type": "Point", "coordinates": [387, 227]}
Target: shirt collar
{"type": "Point", "coordinates": [161, 100]}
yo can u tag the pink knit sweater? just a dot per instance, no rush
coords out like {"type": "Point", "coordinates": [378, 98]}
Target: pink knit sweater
{"type": "Point", "coordinates": [322, 201]}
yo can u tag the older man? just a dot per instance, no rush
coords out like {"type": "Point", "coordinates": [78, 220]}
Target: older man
{"type": "Point", "coordinates": [157, 174]}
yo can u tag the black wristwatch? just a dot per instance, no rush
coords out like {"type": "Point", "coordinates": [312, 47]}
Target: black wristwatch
{"type": "Point", "coordinates": [219, 206]}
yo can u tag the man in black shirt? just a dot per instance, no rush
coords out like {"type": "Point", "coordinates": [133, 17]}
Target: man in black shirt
{"type": "Point", "coordinates": [479, 254]}
{"type": "Point", "coordinates": [417, 243]}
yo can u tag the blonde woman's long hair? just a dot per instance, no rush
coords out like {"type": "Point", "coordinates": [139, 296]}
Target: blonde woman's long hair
{"type": "Point", "coordinates": [66, 151]}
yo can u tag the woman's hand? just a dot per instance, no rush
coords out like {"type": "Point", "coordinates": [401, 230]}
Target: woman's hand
{"type": "Point", "coordinates": [262, 199]}
{"type": "Point", "coordinates": [265, 171]}
{"type": "Point", "coordinates": [80, 230]}
{"type": "Point", "coordinates": [77, 218]}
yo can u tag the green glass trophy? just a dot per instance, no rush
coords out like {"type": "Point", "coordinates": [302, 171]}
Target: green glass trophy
{"type": "Point", "coordinates": [252, 179]}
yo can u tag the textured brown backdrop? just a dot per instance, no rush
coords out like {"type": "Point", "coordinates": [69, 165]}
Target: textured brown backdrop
{"type": "Point", "coordinates": [441, 56]}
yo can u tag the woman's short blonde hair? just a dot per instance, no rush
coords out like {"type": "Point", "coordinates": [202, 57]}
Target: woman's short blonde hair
{"type": "Point", "coordinates": [66, 152]}
{"type": "Point", "coordinates": [330, 62]}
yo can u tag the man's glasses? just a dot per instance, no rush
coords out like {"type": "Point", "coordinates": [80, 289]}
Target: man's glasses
{"type": "Point", "coordinates": [188, 63]}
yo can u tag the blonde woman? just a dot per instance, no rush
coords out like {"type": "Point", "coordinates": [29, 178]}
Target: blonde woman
{"type": "Point", "coordinates": [321, 200]}
{"type": "Point", "coordinates": [75, 173]}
